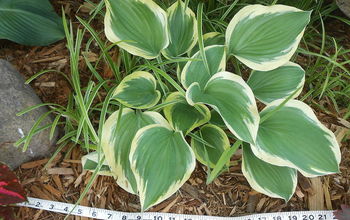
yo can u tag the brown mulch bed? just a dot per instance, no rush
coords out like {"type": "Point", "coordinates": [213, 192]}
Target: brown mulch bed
{"type": "Point", "coordinates": [229, 195]}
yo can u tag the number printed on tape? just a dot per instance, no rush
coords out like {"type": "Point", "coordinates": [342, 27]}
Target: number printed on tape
{"type": "Point", "coordinates": [96, 213]}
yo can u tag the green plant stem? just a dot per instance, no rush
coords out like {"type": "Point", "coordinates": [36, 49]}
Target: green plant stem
{"type": "Point", "coordinates": [200, 36]}
{"type": "Point", "coordinates": [236, 65]}
{"type": "Point", "coordinates": [274, 2]}
{"type": "Point", "coordinates": [162, 105]}
{"type": "Point", "coordinates": [225, 157]}
{"type": "Point", "coordinates": [268, 115]}
{"type": "Point", "coordinates": [159, 59]}
{"type": "Point", "coordinates": [89, 185]}
{"type": "Point", "coordinates": [168, 78]}
{"type": "Point", "coordinates": [200, 139]}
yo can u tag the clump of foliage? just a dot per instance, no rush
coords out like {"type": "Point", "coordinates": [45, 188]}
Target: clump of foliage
{"type": "Point", "coordinates": [147, 152]}
{"type": "Point", "coordinates": [165, 115]}
{"type": "Point", "coordinates": [31, 22]}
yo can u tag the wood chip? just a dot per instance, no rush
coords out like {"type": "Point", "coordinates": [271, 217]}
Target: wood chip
{"type": "Point", "coordinates": [53, 191]}
{"type": "Point", "coordinates": [190, 190]}
{"type": "Point", "coordinates": [69, 181]}
{"type": "Point", "coordinates": [316, 200]}
{"type": "Point", "coordinates": [53, 49]}
{"type": "Point", "coordinates": [260, 204]}
{"type": "Point", "coordinates": [252, 201]}
{"type": "Point", "coordinates": [327, 195]}
{"type": "Point", "coordinates": [86, 7]}
{"type": "Point", "coordinates": [49, 59]}
{"type": "Point", "coordinates": [340, 134]}
{"type": "Point", "coordinates": [37, 215]}
{"type": "Point", "coordinates": [57, 180]}
{"type": "Point", "coordinates": [233, 211]}
{"type": "Point", "coordinates": [92, 57]}
{"type": "Point", "coordinates": [60, 171]}
{"type": "Point", "coordinates": [46, 84]}
{"type": "Point", "coordinates": [170, 205]}
{"type": "Point", "coordinates": [299, 193]}
{"type": "Point", "coordinates": [344, 122]}
{"type": "Point", "coordinates": [207, 210]}
{"type": "Point", "coordinates": [33, 164]}
{"type": "Point", "coordinates": [29, 180]}
{"type": "Point", "coordinates": [40, 193]}
{"type": "Point", "coordinates": [72, 161]}
{"type": "Point", "coordinates": [102, 202]}
{"type": "Point", "coordinates": [79, 179]}
{"type": "Point", "coordinates": [305, 184]}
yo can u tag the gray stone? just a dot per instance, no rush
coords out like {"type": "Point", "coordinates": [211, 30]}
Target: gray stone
{"type": "Point", "coordinates": [14, 97]}
{"type": "Point", "coordinates": [344, 5]}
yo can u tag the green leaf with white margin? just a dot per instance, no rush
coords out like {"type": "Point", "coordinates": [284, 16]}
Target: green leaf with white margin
{"type": "Point", "coordinates": [141, 24]}
{"type": "Point", "coordinates": [271, 180]}
{"type": "Point", "coordinates": [233, 99]}
{"type": "Point", "coordinates": [138, 90]}
{"type": "Point", "coordinates": [90, 163]}
{"type": "Point", "coordinates": [116, 142]}
{"type": "Point", "coordinates": [279, 83]}
{"type": "Point", "coordinates": [209, 39]}
{"type": "Point", "coordinates": [183, 31]}
{"type": "Point", "coordinates": [259, 37]}
{"type": "Point", "coordinates": [217, 138]}
{"type": "Point", "coordinates": [182, 116]}
{"type": "Point", "coordinates": [216, 119]}
{"type": "Point", "coordinates": [292, 136]}
{"type": "Point", "coordinates": [162, 162]}
{"type": "Point", "coordinates": [195, 71]}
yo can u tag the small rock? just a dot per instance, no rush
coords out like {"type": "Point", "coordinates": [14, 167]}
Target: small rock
{"type": "Point", "coordinates": [14, 97]}
{"type": "Point", "coordinates": [344, 5]}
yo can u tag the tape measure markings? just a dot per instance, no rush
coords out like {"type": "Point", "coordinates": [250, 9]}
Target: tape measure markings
{"type": "Point", "coordinates": [84, 211]}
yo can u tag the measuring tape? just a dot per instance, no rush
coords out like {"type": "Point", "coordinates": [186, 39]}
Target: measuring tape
{"type": "Point", "coordinates": [96, 213]}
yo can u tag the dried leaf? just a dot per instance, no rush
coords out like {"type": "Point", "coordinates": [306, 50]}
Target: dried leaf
{"type": "Point", "coordinates": [11, 190]}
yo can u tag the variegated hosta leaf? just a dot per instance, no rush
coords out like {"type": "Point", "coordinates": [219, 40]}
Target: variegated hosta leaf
{"type": "Point", "coordinates": [195, 71]}
{"type": "Point", "coordinates": [182, 116]}
{"type": "Point", "coordinates": [293, 137]}
{"type": "Point", "coordinates": [217, 138]}
{"type": "Point", "coordinates": [232, 98]}
{"type": "Point", "coordinates": [183, 31]}
{"type": "Point", "coordinates": [138, 90]}
{"type": "Point", "coordinates": [209, 39]}
{"type": "Point", "coordinates": [279, 83]}
{"type": "Point", "coordinates": [215, 119]}
{"type": "Point", "coordinates": [259, 37]}
{"type": "Point", "coordinates": [162, 162]}
{"type": "Point", "coordinates": [141, 24]}
{"type": "Point", "coordinates": [271, 180]}
{"type": "Point", "coordinates": [90, 163]}
{"type": "Point", "coordinates": [116, 143]}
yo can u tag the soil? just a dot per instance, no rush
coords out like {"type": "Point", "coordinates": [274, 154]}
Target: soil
{"type": "Point", "coordinates": [229, 195]}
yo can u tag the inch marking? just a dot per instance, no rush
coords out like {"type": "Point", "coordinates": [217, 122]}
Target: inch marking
{"type": "Point", "coordinates": [96, 213]}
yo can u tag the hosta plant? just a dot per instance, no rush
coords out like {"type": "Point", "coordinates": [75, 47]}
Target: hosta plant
{"type": "Point", "coordinates": [152, 142]}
